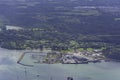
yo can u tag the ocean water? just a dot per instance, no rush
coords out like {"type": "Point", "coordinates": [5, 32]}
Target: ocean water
{"type": "Point", "coordinates": [10, 70]}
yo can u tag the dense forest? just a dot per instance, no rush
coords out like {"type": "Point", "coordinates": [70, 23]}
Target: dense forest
{"type": "Point", "coordinates": [61, 25]}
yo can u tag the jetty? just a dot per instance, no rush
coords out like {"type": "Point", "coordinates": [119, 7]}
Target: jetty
{"type": "Point", "coordinates": [21, 57]}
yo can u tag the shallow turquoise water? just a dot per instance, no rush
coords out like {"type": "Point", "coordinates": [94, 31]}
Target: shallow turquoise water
{"type": "Point", "coordinates": [10, 70]}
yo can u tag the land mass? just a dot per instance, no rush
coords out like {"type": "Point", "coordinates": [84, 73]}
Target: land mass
{"type": "Point", "coordinates": [52, 24]}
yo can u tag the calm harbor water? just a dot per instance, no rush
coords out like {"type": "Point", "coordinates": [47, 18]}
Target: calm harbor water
{"type": "Point", "coordinates": [10, 70]}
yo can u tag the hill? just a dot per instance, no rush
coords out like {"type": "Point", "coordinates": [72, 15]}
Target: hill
{"type": "Point", "coordinates": [60, 24]}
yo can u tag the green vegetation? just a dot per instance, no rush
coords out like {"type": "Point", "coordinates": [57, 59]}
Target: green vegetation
{"type": "Point", "coordinates": [81, 49]}
{"type": "Point", "coordinates": [112, 53]}
{"type": "Point", "coordinates": [90, 49]}
{"type": "Point", "coordinates": [37, 38]}
{"type": "Point", "coordinates": [60, 27]}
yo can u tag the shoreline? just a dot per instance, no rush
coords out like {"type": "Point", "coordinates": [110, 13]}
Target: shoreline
{"type": "Point", "coordinates": [32, 51]}
{"type": "Point", "coordinates": [75, 59]}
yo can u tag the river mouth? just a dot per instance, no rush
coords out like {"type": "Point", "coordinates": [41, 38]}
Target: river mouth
{"type": "Point", "coordinates": [10, 70]}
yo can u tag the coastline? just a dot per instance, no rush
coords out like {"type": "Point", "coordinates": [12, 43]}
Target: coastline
{"type": "Point", "coordinates": [59, 61]}
{"type": "Point", "coordinates": [57, 57]}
